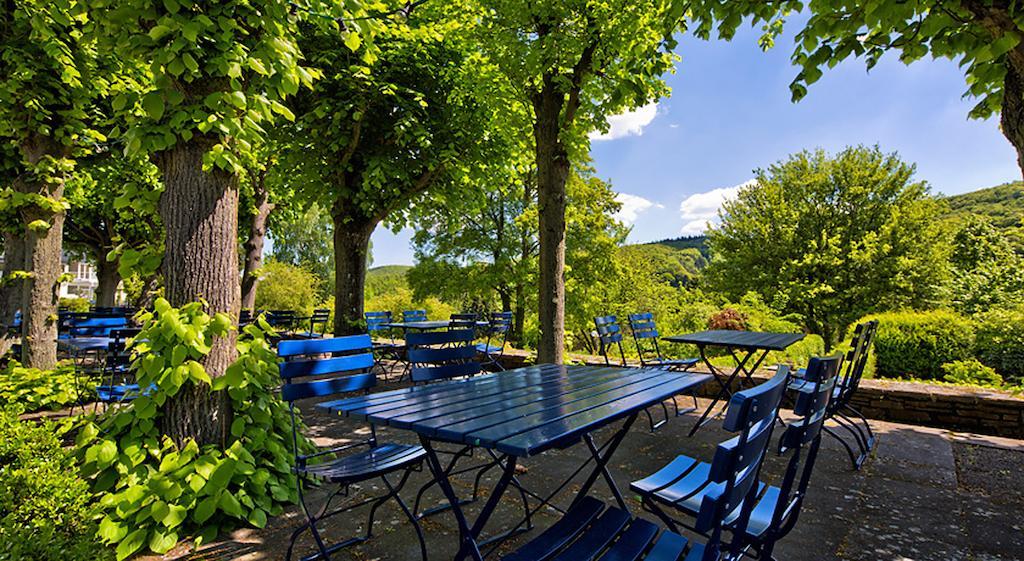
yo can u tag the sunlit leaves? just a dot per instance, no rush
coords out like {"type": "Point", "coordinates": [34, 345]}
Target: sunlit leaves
{"type": "Point", "coordinates": [154, 493]}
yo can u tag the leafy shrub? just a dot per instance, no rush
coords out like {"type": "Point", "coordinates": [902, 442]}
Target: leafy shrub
{"type": "Point", "coordinates": [999, 341]}
{"type": "Point", "coordinates": [917, 344]}
{"type": "Point", "coordinates": [153, 492]}
{"type": "Point", "coordinates": [34, 390]}
{"type": "Point", "coordinates": [972, 373]}
{"type": "Point", "coordinates": [286, 287]}
{"type": "Point", "coordinates": [400, 298]}
{"type": "Point", "coordinates": [729, 319]}
{"type": "Point", "coordinates": [74, 304]}
{"type": "Point", "coordinates": [45, 510]}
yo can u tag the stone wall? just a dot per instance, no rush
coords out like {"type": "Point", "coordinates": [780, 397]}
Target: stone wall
{"type": "Point", "coordinates": [950, 407]}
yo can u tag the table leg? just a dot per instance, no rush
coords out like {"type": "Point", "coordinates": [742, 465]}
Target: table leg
{"type": "Point", "coordinates": [468, 546]}
{"type": "Point", "coordinates": [602, 464]}
{"type": "Point", "coordinates": [726, 391]}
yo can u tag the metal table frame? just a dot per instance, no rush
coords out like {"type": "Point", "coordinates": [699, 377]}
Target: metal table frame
{"type": "Point", "coordinates": [751, 343]}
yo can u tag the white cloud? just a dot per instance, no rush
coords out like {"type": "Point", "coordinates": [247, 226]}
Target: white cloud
{"type": "Point", "coordinates": [630, 123]}
{"type": "Point", "coordinates": [632, 206]}
{"type": "Point", "coordinates": [698, 211]}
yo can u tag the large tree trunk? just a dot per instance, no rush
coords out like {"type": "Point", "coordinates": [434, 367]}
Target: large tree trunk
{"type": "Point", "coordinates": [351, 246]}
{"type": "Point", "coordinates": [1012, 114]}
{"type": "Point", "coordinates": [199, 211]}
{"type": "Point", "coordinates": [253, 246]}
{"type": "Point", "coordinates": [44, 233]}
{"type": "Point", "coordinates": [11, 290]}
{"type": "Point", "coordinates": [519, 314]}
{"type": "Point", "coordinates": [108, 279]}
{"type": "Point", "coordinates": [552, 173]}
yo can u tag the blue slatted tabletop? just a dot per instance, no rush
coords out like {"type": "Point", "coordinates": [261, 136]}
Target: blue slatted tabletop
{"type": "Point", "coordinates": [521, 412]}
{"type": "Point", "coordinates": [426, 325]}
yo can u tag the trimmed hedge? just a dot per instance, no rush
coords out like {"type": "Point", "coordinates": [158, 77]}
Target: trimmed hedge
{"type": "Point", "coordinates": [46, 510]}
{"type": "Point", "coordinates": [999, 342]}
{"type": "Point", "coordinates": [917, 344]}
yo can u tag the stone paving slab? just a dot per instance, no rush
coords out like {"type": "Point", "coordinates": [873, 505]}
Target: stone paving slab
{"type": "Point", "coordinates": [926, 494]}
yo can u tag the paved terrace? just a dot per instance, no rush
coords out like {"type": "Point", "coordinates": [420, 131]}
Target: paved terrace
{"type": "Point", "coordinates": [925, 495]}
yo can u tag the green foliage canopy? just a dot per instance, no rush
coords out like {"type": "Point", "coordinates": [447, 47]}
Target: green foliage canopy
{"type": "Point", "coordinates": [831, 239]}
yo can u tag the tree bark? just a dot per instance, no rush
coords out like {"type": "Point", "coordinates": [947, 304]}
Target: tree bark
{"type": "Point", "coordinates": [11, 289]}
{"type": "Point", "coordinates": [43, 248]}
{"type": "Point", "coordinates": [1012, 114]}
{"type": "Point", "coordinates": [253, 245]}
{"type": "Point", "coordinates": [199, 211]}
{"type": "Point", "coordinates": [552, 173]}
{"type": "Point", "coordinates": [351, 245]}
{"type": "Point", "coordinates": [109, 279]}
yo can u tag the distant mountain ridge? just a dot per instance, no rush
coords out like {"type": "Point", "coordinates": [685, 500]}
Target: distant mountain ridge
{"type": "Point", "coordinates": [1002, 205]}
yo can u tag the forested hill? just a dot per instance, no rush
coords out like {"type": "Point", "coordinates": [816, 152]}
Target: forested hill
{"type": "Point", "coordinates": [1002, 205]}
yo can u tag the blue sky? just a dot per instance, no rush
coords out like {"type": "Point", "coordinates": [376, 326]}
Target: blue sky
{"type": "Point", "coordinates": [730, 112]}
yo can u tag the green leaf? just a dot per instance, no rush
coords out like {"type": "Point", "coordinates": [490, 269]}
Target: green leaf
{"type": "Point", "coordinates": [221, 476]}
{"type": "Point", "coordinates": [106, 453]}
{"type": "Point", "coordinates": [112, 531]}
{"type": "Point", "coordinates": [353, 41]}
{"type": "Point", "coordinates": [175, 515]}
{"type": "Point", "coordinates": [153, 103]}
{"type": "Point", "coordinates": [230, 505]}
{"type": "Point", "coordinates": [163, 541]}
{"type": "Point", "coordinates": [131, 544]}
{"type": "Point", "coordinates": [205, 509]}
{"type": "Point", "coordinates": [258, 518]}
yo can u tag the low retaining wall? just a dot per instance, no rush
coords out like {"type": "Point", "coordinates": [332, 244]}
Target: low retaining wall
{"type": "Point", "coordinates": [957, 408]}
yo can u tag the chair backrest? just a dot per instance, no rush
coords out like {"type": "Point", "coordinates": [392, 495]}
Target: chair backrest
{"type": "Point", "coordinates": [463, 321]}
{"type": "Point", "coordinates": [96, 326]}
{"type": "Point", "coordinates": [283, 319]}
{"type": "Point", "coordinates": [245, 316]}
{"type": "Point", "coordinates": [118, 355]}
{"type": "Point", "coordinates": [376, 321]}
{"type": "Point", "coordinates": [307, 373]}
{"type": "Point", "coordinates": [324, 367]}
{"type": "Point", "coordinates": [856, 361]}
{"type": "Point", "coordinates": [319, 317]}
{"type": "Point", "coordinates": [439, 355]}
{"type": "Point", "coordinates": [414, 315]}
{"type": "Point", "coordinates": [499, 322]}
{"type": "Point", "coordinates": [609, 333]}
{"type": "Point", "coordinates": [645, 335]}
{"type": "Point", "coordinates": [800, 436]}
{"type": "Point", "coordinates": [736, 465]}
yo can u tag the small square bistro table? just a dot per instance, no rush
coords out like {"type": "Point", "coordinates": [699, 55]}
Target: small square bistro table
{"type": "Point", "coordinates": [749, 344]}
{"type": "Point", "coordinates": [520, 413]}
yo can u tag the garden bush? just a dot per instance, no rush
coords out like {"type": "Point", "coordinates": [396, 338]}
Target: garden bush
{"type": "Point", "coordinates": [999, 342]}
{"type": "Point", "coordinates": [287, 287]}
{"type": "Point", "coordinates": [971, 373]}
{"type": "Point", "coordinates": [46, 510]}
{"type": "Point", "coordinates": [74, 304]}
{"type": "Point", "coordinates": [34, 390]}
{"type": "Point", "coordinates": [152, 492]}
{"type": "Point", "coordinates": [917, 344]}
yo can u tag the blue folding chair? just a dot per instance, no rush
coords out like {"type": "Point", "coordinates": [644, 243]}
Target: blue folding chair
{"type": "Point", "coordinates": [378, 324]}
{"type": "Point", "coordinates": [679, 487]}
{"type": "Point", "coordinates": [349, 369]}
{"type": "Point", "coordinates": [841, 410]}
{"type": "Point", "coordinates": [498, 326]}
{"type": "Point", "coordinates": [590, 530]}
{"type": "Point", "coordinates": [118, 381]}
{"type": "Point", "coordinates": [609, 333]}
{"type": "Point", "coordinates": [440, 355]}
{"type": "Point", "coordinates": [414, 315]}
{"type": "Point", "coordinates": [645, 335]}
{"type": "Point", "coordinates": [317, 325]}
{"type": "Point", "coordinates": [93, 326]}
{"type": "Point", "coordinates": [463, 321]}
{"type": "Point", "coordinates": [443, 355]}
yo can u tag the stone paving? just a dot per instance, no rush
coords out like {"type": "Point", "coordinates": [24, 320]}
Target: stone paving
{"type": "Point", "coordinates": [925, 495]}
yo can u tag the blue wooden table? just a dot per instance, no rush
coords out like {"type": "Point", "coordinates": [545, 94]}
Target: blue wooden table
{"type": "Point", "coordinates": [520, 413]}
{"type": "Point", "coordinates": [742, 346]}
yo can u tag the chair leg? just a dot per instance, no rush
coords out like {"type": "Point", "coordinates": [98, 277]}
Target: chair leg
{"type": "Point", "coordinates": [867, 426]}
{"type": "Point", "coordinates": [849, 451]}
{"type": "Point", "coordinates": [408, 513]}
{"type": "Point", "coordinates": [853, 429]}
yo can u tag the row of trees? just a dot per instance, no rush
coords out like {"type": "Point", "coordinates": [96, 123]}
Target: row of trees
{"type": "Point", "coordinates": [363, 109]}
